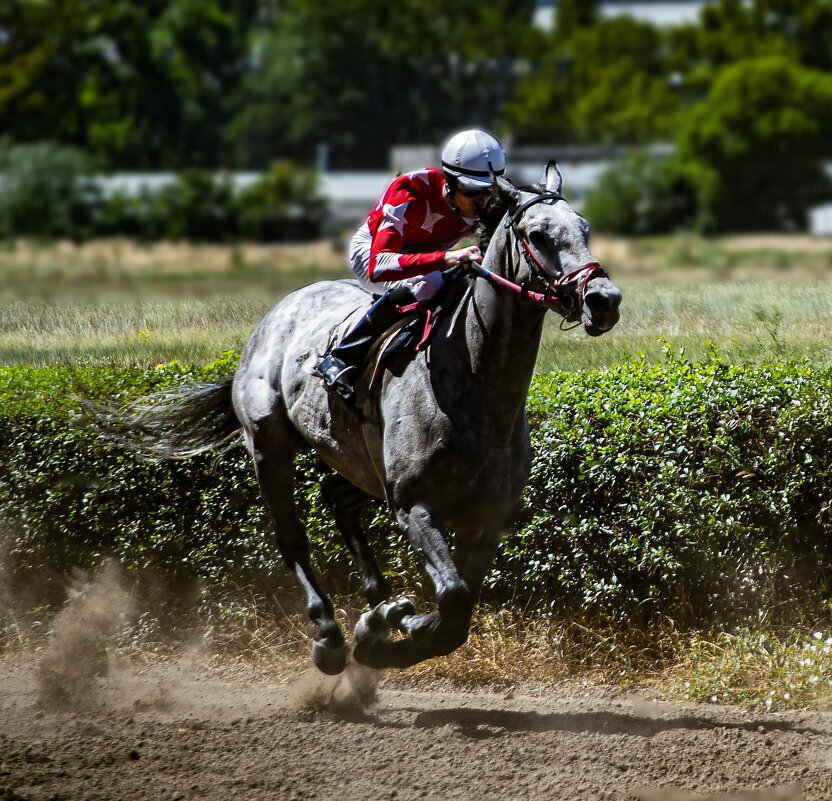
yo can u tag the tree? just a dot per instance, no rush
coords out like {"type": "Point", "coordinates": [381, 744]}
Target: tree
{"type": "Point", "coordinates": [606, 83]}
{"type": "Point", "coordinates": [753, 148]}
{"type": "Point", "coordinates": [40, 71]}
{"type": "Point", "coordinates": [44, 192]}
{"type": "Point", "coordinates": [144, 84]}
{"type": "Point", "coordinates": [573, 15]}
{"type": "Point", "coordinates": [360, 75]}
{"type": "Point", "coordinates": [641, 194]}
{"type": "Point", "coordinates": [732, 30]}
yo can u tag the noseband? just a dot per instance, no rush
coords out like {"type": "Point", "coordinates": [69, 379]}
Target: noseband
{"type": "Point", "coordinates": [554, 296]}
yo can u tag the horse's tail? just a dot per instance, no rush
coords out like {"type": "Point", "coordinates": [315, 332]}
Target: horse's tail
{"type": "Point", "coordinates": [175, 423]}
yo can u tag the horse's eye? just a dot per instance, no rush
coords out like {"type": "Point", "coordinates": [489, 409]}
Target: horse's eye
{"type": "Point", "coordinates": [541, 242]}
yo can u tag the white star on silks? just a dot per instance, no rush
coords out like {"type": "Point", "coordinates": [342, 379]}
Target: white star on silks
{"type": "Point", "coordinates": [394, 216]}
{"type": "Point", "coordinates": [431, 218]}
{"type": "Point", "coordinates": [422, 175]}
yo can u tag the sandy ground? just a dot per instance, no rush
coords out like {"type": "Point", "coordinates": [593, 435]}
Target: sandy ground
{"type": "Point", "coordinates": [184, 730]}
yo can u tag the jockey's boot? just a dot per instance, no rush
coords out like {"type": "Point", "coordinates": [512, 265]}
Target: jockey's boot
{"type": "Point", "coordinates": [341, 365]}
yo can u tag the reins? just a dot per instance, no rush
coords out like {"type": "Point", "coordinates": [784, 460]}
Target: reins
{"type": "Point", "coordinates": [554, 300]}
{"type": "Point", "coordinates": [553, 297]}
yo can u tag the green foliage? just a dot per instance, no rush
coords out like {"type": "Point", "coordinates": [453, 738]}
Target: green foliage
{"type": "Point", "coordinates": [606, 82]}
{"type": "Point", "coordinates": [47, 191]}
{"type": "Point", "coordinates": [407, 73]}
{"type": "Point", "coordinates": [68, 500]}
{"type": "Point", "coordinates": [700, 492]}
{"type": "Point", "coordinates": [642, 194]}
{"type": "Point", "coordinates": [572, 15]}
{"type": "Point", "coordinates": [143, 84]}
{"type": "Point", "coordinates": [198, 206]}
{"type": "Point", "coordinates": [696, 491]}
{"type": "Point", "coordinates": [744, 93]}
{"type": "Point", "coordinates": [753, 149]}
{"type": "Point", "coordinates": [211, 84]}
{"type": "Point", "coordinates": [43, 192]}
{"type": "Point", "coordinates": [284, 204]}
{"type": "Point", "coordinates": [732, 31]}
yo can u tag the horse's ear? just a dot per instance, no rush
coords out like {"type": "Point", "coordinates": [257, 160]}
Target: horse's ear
{"type": "Point", "coordinates": [508, 192]}
{"type": "Point", "coordinates": [552, 179]}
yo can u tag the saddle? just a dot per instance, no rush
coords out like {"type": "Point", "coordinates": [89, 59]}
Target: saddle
{"type": "Point", "coordinates": [412, 332]}
{"type": "Point", "coordinates": [368, 347]}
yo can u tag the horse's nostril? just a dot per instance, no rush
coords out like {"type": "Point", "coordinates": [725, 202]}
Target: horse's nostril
{"type": "Point", "coordinates": [596, 301]}
{"type": "Point", "coordinates": [600, 301]}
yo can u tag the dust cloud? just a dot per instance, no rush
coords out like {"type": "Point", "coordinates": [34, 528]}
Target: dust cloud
{"type": "Point", "coordinates": [351, 691]}
{"type": "Point", "coordinates": [83, 634]}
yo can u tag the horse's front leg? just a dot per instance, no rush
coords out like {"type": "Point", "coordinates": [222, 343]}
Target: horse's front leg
{"type": "Point", "coordinates": [474, 554]}
{"type": "Point", "coordinates": [435, 634]}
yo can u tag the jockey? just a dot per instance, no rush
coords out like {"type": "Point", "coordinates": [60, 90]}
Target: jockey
{"type": "Point", "coordinates": [402, 248]}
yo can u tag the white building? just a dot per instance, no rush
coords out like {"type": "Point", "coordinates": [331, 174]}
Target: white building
{"type": "Point", "coordinates": [658, 12]}
{"type": "Point", "coordinates": [820, 220]}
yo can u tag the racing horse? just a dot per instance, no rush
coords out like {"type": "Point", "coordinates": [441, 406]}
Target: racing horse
{"type": "Point", "coordinates": [441, 437]}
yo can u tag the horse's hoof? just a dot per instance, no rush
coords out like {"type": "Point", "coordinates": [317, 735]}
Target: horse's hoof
{"type": "Point", "coordinates": [372, 625]}
{"type": "Point", "coordinates": [398, 609]}
{"type": "Point", "coordinates": [328, 659]}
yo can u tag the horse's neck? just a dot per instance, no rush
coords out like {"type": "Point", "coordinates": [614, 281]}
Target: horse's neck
{"type": "Point", "coordinates": [500, 340]}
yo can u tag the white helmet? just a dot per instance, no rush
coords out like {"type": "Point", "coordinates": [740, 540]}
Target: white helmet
{"type": "Point", "coordinates": [471, 156]}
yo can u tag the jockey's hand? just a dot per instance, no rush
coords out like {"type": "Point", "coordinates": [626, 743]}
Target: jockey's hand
{"type": "Point", "coordinates": [463, 256]}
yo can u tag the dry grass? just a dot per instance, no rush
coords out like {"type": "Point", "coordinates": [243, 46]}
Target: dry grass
{"type": "Point", "coordinates": [686, 259]}
{"type": "Point", "coordinates": [114, 303]}
{"type": "Point", "coordinates": [509, 650]}
{"type": "Point", "coordinates": [117, 303]}
{"type": "Point", "coordinates": [118, 271]}
{"type": "Point", "coordinates": [505, 650]}
{"type": "Point", "coordinates": [123, 266]}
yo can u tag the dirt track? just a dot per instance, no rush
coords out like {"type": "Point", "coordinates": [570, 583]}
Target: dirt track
{"type": "Point", "coordinates": [186, 731]}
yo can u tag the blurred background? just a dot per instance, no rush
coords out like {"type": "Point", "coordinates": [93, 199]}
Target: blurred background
{"type": "Point", "coordinates": [205, 148]}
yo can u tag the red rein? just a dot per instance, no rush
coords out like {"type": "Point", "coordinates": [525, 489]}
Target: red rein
{"type": "Point", "coordinates": [550, 301]}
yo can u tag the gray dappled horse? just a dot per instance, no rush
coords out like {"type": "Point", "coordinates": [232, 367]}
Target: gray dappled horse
{"type": "Point", "coordinates": [443, 438]}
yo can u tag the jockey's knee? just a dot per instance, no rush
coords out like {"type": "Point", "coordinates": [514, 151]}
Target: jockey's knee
{"type": "Point", "coordinates": [401, 295]}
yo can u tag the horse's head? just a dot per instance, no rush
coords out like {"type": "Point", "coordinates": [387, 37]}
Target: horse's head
{"type": "Point", "coordinates": [547, 244]}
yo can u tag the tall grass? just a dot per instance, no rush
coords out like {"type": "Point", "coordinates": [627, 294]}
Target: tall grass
{"type": "Point", "coordinates": [125, 332]}
{"type": "Point", "coordinates": [120, 304]}
{"type": "Point", "coordinates": [749, 323]}
{"type": "Point", "coordinates": [115, 303]}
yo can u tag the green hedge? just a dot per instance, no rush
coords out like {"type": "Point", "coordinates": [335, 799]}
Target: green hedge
{"type": "Point", "coordinates": [696, 491]}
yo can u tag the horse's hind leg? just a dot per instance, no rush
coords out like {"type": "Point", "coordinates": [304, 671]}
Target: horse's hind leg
{"type": "Point", "coordinates": [346, 501]}
{"type": "Point", "coordinates": [273, 444]}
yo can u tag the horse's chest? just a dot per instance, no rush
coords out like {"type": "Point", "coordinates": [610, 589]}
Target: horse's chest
{"type": "Point", "coordinates": [459, 467]}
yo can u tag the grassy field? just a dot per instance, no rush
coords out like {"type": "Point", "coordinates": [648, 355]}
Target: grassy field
{"type": "Point", "coordinates": [757, 299]}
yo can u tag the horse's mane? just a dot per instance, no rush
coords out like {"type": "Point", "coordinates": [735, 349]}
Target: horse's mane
{"type": "Point", "coordinates": [494, 214]}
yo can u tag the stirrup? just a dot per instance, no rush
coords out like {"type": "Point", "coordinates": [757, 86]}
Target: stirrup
{"type": "Point", "coordinates": [336, 383]}
{"type": "Point", "coordinates": [341, 388]}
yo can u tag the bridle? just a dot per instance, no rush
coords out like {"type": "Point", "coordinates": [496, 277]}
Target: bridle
{"type": "Point", "coordinates": [554, 296]}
